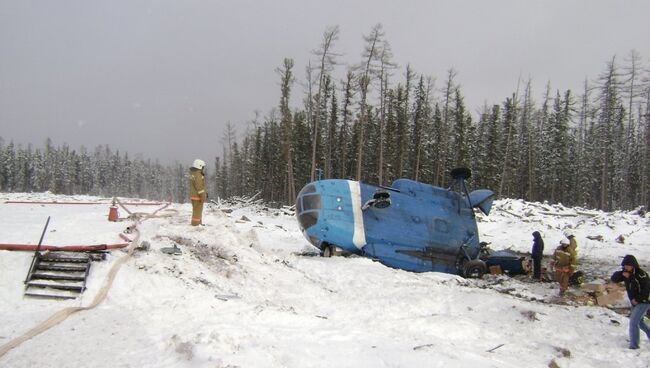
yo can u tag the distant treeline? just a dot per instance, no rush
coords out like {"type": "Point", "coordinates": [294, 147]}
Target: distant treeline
{"type": "Point", "coordinates": [102, 173]}
{"type": "Point", "coordinates": [591, 149]}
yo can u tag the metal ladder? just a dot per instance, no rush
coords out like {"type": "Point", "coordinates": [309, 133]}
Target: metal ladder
{"type": "Point", "coordinates": [58, 275]}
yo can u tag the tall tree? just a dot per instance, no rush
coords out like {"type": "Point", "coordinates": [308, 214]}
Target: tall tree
{"type": "Point", "coordinates": [583, 175]}
{"type": "Point", "coordinates": [421, 122]}
{"type": "Point", "coordinates": [609, 118]}
{"type": "Point", "coordinates": [461, 126]}
{"type": "Point", "coordinates": [287, 80]}
{"type": "Point", "coordinates": [372, 50]}
{"type": "Point", "coordinates": [385, 68]}
{"type": "Point", "coordinates": [442, 156]}
{"type": "Point", "coordinates": [345, 141]}
{"type": "Point", "coordinates": [327, 61]}
{"type": "Point", "coordinates": [526, 153]}
{"type": "Point", "coordinates": [645, 170]}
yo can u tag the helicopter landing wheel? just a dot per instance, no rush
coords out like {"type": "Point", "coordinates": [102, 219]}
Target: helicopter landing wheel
{"type": "Point", "coordinates": [474, 269]}
{"type": "Point", "coordinates": [328, 251]}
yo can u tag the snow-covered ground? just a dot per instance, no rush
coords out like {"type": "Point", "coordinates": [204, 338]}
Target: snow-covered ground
{"type": "Point", "coordinates": [248, 291]}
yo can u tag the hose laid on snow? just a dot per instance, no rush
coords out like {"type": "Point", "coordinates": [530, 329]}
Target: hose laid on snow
{"type": "Point", "coordinates": [67, 248]}
{"type": "Point", "coordinates": [84, 203]}
{"type": "Point", "coordinates": [63, 314]}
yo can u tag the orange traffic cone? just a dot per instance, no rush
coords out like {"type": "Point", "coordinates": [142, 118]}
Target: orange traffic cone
{"type": "Point", "coordinates": [112, 212]}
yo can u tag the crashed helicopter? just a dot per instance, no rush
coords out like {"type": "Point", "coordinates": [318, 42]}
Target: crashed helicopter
{"type": "Point", "coordinates": [410, 225]}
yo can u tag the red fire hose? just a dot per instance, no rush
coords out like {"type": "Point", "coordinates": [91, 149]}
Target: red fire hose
{"type": "Point", "coordinates": [85, 203]}
{"type": "Point", "coordinates": [68, 248]}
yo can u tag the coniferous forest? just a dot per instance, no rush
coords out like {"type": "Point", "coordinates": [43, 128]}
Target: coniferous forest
{"type": "Point", "coordinates": [380, 122]}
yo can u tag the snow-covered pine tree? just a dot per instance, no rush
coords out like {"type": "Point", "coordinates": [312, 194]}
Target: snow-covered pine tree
{"type": "Point", "coordinates": [523, 182]}
{"type": "Point", "coordinates": [607, 134]}
{"type": "Point", "coordinates": [443, 161]}
{"type": "Point", "coordinates": [420, 125]}
{"type": "Point", "coordinates": [343, 151]}
{"type": "Point", "coordinates": [286, 124]}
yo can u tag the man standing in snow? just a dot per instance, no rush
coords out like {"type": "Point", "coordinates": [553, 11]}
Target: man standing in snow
{"type": "Point", "coordinates": [637, 284]}
{"type": "Point", "coordinates": [564, 262]}
{"type": "Point", "coordinates": [198, 195]}
{"type": "Point", "coordinates": [537, 254]}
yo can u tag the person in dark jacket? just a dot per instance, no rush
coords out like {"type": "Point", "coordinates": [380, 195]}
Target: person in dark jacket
{"type": "Point", "coordinates": [537, 254]}
{"type": "Point", "coordinates": [637, 284]}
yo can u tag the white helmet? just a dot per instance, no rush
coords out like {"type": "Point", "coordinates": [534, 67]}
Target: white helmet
{"type": "Point", "coordinates": [198, 164]}
{"type": "Point", "coordinates": [568, 233]}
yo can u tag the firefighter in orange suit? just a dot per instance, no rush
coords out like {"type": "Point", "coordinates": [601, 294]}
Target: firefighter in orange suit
{"type": "Point", "coordinates": [198, 195]}
{"type": "Point", "coordinates": [564, 262]}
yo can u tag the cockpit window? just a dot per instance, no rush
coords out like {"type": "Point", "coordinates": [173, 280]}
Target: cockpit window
{"type": "Point", "coordinates": [308, 189]}
{"type": "Point", "coordinates": [299, 205]}
{"type": "Point", "coordinates": [307, 206]}
{"type": "Point", "coordinates": [311, 202]}
{"type": "Point", "coordinates": [308, 219]}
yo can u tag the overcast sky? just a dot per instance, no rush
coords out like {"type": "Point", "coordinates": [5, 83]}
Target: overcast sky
{"type": "Point", "coordinates": [161, 78]}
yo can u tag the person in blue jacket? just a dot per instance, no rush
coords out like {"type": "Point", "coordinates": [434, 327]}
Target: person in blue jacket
{"type": "Point", "coordinates": [637, 284]}
{"type": "Point", "coordinates": [537, 254]}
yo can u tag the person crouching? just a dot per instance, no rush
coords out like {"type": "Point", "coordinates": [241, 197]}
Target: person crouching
{"type": "Point", "coordinates": [637, 284]}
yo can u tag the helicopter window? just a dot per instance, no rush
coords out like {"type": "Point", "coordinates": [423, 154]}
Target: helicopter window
{"type": "Point", "coordinates": [308, 219]}
{"type": "Point", "coordinates": [308, 189]}
{"type": "Point", "coordinates": [299, 205]}
{"type": "Point", "coordinates": [311, 202]}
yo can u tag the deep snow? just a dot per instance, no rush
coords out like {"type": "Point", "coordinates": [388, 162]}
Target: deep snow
{"type": "Point", "coordinates": [249, 291]}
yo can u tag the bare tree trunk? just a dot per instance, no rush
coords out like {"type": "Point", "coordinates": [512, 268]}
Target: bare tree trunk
{"type": "Point", "coordinates": [402, 143]}
{"type": "Point", "coordinates": [364, 83]}
{"type": "Point", "coordinates": [506, 159]}
{"type": "Point", "coordinates": [287, 80]}
{"type": "Point", "coordinates": [529, 128]}
{"type": "Point", "coordinates": [442, 154]}
{"type": "Point", "coordinates": [382, 121]}
{"type": "Point", "coordinates": [645, 173]}
{"type": "Point", "coordinates": [345, 123]}
{"type": "Point", "coordinates": [326, 60]}
{"type": "Point", "coordinates": [603, 184]}
{"type": "Point", "coordinates": [386, 64]}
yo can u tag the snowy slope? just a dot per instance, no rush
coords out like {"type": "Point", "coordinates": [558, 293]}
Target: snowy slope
{"type": "Point", "coordinates": [247, 291]}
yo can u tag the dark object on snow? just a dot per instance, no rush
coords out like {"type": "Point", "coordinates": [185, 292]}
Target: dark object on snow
{"type": "Point", "coordinates": [510, 263]}
{"type": "Point", "coordinates": [172, 250]}
{"type": "Point", "coordinates": [577, 278]}
{"type": "Point", "coordinates": [145, 245]}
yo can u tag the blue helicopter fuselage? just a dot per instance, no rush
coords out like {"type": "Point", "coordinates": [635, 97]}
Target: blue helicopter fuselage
{"type": "Point", "coordinates": [411, 225]}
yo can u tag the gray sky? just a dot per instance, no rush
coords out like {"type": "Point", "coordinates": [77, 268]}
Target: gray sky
{"type": "Point", "coordinates": [161, 78]}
